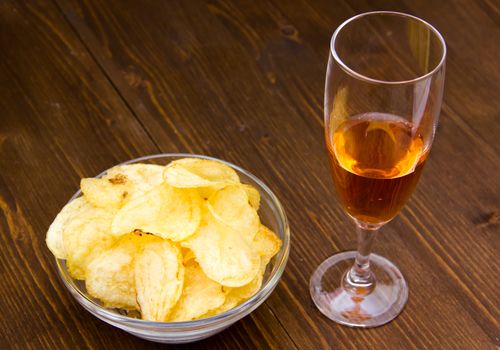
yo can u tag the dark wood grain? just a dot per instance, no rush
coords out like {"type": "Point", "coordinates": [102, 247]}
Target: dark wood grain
{"type": "Point", "coordinates": [87, 84]}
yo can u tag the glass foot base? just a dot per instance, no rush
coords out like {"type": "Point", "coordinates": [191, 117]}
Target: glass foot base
{"type": "Point", "coordinates": [382, 305]}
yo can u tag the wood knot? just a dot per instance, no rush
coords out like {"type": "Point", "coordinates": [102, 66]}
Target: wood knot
{"type": "Point", "coordinates": [265, 138]}
{"type": "Point", "coordinates": [290, 32]}
{"type": "Point", "coordinates": [490, 219]}
{"type": "Point", "coordinates": [181, 54]}
{"type": "Point", "coordinates": [271, 77]}
{"type": "Point", "coordinates": [132, 78]}
{"type": "Point", "coordinates": [110, 122]}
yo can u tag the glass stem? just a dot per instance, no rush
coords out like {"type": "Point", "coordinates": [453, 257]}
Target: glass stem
{"type": "Point", "coordinates": [360, 280]}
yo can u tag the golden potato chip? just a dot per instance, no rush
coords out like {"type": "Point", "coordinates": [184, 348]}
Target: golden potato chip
{"type": "Point", "coordinates": [85, 236]}
{"type": "Point", "coordinates": [223, 254]}
{"type": "Point", "coordinates": [106, 192]}
{"type": "Point", "coordinates": [121, 184]}
{"type": "Point", "coordinates": [159, 276]}
{"type": "Point", "coordinates": [164, 211]}
{"type": "Point", "coordinates": [253, 195]}
{"type": "Point", "coordinates": [111, 276]}
{"type": "Point", "coordinates": [54, 237]}
{"type": "Point", "coordinates": [267, 243]}
{"type": "Point", "coordinates": [187, 256]}
{"type": "Point", "coordinates": [199, 296]}
{"type": "Point", "coordinates": [144, 176]}
{"type": "Point", "coordinates": [207, 191]}
{"type": "Point", "coordinates": [235, 296]}
{"type": "Point", "coordinates": [231, 206]}
{"type": "Point", "coordinates": [230, 302]}
{"type": "Point", "coordinates": [248, 290]}
{"type": "Point", "coordinates": [194, 172]}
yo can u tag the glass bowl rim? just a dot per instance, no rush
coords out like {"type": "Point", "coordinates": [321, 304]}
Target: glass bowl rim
{"type": "Point", "coordinates": [265, 290]}
{"type": "Point", "coordinates": [362, 77]}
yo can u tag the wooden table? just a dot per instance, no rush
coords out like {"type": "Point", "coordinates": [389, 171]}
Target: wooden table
{"type": "Point", "coordinates": [85, 85]}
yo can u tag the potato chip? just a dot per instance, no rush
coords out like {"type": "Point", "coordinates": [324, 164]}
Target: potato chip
{"type": "Point", "coordinates": [253, 196]}
{"type": "Point", "coordinates": [230, 302]}
{"type": "Point", "coordinates": [236, 296]}
{"type": "Point", "coordinates": [249, 289]}
{"type": "Point", "coordinates": [223, 254]}
{"type": "Point", "coordinates": [144, 176]}
{"type": "Point", "coordinates": [231, 206]}
{"type": "Point", "coordinates": [207, 191]}
{"type": "Point", "coordinates": [164, 211]}
{"type": "Point", "coordinates": [194, 172]}
{"type": "Point", "coordinates": [121, 184]}
{"type": "Point", "coordinates": [159, 276]}
{"type": "Point", "coordinates": [187, 256]}
{"type": "Point", "coordinates": [85, 236]}
{"type": "Point", "coordinates": [54, 237]}
{"type": "Point", "coordinates": [106, 192]}
{"type": "Point", "coordinates": [111, 276]}
{"type": "Point", "coordinates": [199, 296]}
{"type": "Point", "coordinates": [267, 243]}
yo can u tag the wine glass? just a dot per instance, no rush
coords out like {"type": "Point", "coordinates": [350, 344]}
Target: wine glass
{"type": "Point", "coordinates": [384, 87]}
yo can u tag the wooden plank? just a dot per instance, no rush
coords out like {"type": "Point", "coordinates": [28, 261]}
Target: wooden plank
{"type": "Point", "coordinates": [61, 120]}
{"type": "Point", "coordinates": [240, 81]}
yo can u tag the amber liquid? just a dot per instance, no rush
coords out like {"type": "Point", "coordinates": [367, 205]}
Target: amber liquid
{"type": "Point", "coordinates": [376, 163]}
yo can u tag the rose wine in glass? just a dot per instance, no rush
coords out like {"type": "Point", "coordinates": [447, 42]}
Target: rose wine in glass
{"type": "Point", "coordinates": [376, 163]}
{"type": "Point", "coordinates": [384, 87]}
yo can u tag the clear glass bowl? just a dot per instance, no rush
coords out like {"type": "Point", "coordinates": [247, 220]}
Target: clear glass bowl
{"type": "Point", "coordinates": [272, 215]}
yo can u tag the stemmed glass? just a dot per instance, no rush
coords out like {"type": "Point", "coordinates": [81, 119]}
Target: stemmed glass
{"type": "Point", "coordinates": [384, 87]}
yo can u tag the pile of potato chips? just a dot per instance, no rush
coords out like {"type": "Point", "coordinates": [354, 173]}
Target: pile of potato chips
{"type": "Point", "coordinates": [177, 242]}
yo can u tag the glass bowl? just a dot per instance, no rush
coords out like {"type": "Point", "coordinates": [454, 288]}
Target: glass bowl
{"type": "Point", "coordinates": [272, 215]}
